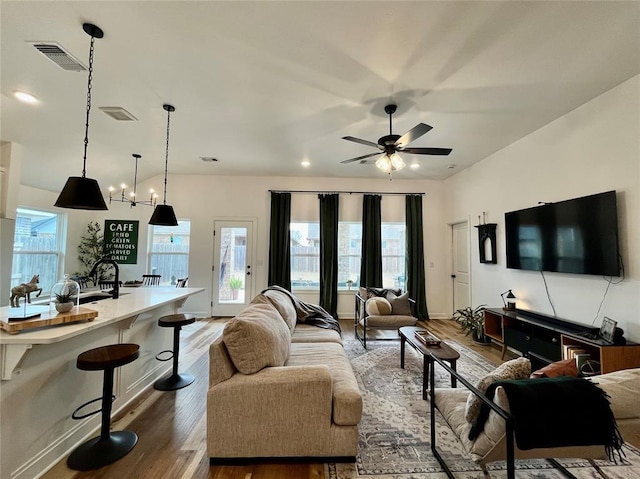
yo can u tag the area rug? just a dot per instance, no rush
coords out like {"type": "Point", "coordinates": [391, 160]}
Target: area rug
{"type": "Point", "coordinates": [394, 431]}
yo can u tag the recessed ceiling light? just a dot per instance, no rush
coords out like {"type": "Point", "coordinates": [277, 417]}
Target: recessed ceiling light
{"type": "Point", "coordinates": [25, 97]}
{"type": "Point", "coordinates": [305, 163]}
{"type": "Point", "coordinates": [414, 166]}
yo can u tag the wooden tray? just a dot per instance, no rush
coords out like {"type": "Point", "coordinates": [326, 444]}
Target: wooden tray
{"type": "Point", "coordinates": [48, 318]}
{"type": "Point", "coordinates": [428, 339]}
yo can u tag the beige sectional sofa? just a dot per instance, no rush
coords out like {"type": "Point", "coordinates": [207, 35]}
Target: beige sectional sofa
{"type": "Point", "coordinates": [279, 388]}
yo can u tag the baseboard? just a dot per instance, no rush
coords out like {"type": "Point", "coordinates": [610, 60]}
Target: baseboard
{"type": "Point", "coordinates": [240, 461]}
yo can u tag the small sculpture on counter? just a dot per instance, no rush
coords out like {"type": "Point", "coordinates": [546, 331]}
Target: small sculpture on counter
{"type": "Point", "coordinates": [24, 290]}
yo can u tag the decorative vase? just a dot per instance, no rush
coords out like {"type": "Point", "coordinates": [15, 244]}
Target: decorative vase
{"type": "Point", "coordinates": [64, 307]}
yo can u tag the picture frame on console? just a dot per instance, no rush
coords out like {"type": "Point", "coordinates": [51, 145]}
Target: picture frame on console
{"type": "Point", "coordinates": [607, 329]}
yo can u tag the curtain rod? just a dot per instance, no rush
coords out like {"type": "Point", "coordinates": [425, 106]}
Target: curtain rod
{"type": "Point", "coordinates": [345, 192]}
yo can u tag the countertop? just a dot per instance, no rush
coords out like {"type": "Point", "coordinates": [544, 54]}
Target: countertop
{"type": "Point", "coordinates": [131, 303]}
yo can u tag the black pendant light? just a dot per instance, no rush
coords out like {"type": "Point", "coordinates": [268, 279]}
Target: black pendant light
{"type": "Point", "coordinates": [80, 192]}
{"type": "Point", "coordinates": [163, 215]}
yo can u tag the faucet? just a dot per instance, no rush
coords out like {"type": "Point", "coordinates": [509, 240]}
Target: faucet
{"type": "Point", "coordinates": [116, 284]}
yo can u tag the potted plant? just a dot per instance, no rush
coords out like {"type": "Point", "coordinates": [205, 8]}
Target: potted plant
{"type": "Point", "coordinates": [235, 284]}
{"type": "Point", "coordinates": [64, 302]}
{"type": "Point", "coordinates": [471, 321]}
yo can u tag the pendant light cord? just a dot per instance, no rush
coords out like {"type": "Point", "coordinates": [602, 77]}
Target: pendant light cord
{"type": "Point", "coordinates": [166, 159]}
{"type": "Point", "coordinates": [86, 126]}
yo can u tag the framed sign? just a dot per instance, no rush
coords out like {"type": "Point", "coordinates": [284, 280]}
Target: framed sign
{"type": "Point", "coordinates": [121, 240]}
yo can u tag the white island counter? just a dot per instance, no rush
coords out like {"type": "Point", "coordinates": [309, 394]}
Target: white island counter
{"type": "Point", "coordinates": [41, 385]}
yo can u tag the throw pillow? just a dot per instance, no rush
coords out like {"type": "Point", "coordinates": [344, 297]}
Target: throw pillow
{"type": "Point", "coordinates": [377, 292]}
{"type": "Point", "coordinates": [400, 304]}
{"type": "Point", "coordinates": [257, 338]}
{"type": "Point", "coordinates": [519, 368]}
{"type": "Point", "coordinates": [566, 367]}
{"type": "Point", "coordinates": [377, 307]}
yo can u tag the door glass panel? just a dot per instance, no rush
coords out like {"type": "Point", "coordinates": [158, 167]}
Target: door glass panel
{"type": "Point", "coordinates": [233, 265]}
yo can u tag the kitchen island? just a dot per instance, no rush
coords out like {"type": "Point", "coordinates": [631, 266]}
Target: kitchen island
{"type": "Point", "coordinates": [41, 385]}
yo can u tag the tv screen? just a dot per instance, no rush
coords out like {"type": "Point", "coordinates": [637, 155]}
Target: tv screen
{"type": "Point", "coordinates": [573, 236]}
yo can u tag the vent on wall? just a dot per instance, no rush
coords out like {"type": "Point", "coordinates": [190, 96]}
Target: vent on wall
{"type": "Point", "coordinates": [118, 113]}
{"type": "Point", "coordinates": [59, 56]}
{"type": "Point", "coordinates": [209, 159]}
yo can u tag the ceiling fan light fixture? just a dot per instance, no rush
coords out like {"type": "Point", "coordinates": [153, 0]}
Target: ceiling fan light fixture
{"type": "Point", "coordinates": [396, 162]}
{"type": "Point", "coordinates": [80, 192]}
{"type": "Point", "coordinates": [384, 163]}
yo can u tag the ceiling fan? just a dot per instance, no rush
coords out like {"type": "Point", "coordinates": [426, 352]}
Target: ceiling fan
{"type": "Point", "coordinates": [392, 144]}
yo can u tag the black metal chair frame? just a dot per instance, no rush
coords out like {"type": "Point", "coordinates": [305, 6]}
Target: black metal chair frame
{"type": "Point", "coordinates": [361, 315]}
{"type": "Point", "coordinates": [509, 432]}
{"type": "Point", "coordinates": [182, 282]}
{"type": "Point", "coordinates": [151, 279]}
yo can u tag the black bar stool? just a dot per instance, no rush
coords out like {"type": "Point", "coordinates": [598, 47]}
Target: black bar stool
{"type": "Point", "coordinates": [109, 446]}
{"type": "Point", "coordinates": [175, 380]}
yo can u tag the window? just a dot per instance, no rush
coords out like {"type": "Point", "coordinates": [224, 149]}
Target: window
{"type": "Point", "coordinates": [305, 255]}
{"type": "Point", "coordinates": [38, 247]}
{"type": "Point", "coordinates": [169, 251]}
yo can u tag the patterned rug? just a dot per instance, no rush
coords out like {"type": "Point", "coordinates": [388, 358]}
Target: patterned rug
{"type": "Point", "coordinates": [394, 431]}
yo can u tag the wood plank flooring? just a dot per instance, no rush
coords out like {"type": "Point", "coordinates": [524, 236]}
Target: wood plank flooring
{"type": "Point", "coordinates": [171, 426]}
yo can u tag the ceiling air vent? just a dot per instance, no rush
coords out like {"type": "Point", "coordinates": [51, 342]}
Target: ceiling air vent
{"type": "Point", "coordinates": [59, 56]}
{"type": "Point", "coordinates": [118, 113]}
{"type": "Point", "coordinates": [209, 159]}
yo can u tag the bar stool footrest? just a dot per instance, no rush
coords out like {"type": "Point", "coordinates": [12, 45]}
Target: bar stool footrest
{"type": "Point", "coordinates": [75, 416]}
{"type": "Point", "coordinates": [166, 351]}
{"type": "Point", "coordinates": [173, 382]}
{"type": "Point", "coordinates": [97, 452]}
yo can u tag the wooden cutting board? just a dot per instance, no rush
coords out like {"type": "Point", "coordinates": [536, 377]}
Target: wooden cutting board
{"type": "Point", "coordinates": [48, 318]}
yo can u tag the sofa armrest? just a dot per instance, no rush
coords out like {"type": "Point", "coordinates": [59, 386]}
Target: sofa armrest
{"type": "Point", "coordinates": [264, 407]}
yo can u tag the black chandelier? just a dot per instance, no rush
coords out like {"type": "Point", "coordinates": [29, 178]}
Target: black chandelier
{"type": "Point", "coordinates": [164, 215]}
{"type": "Point", "coordinates": [80, 192]}
{"type": "Point", "coordinates": [131, 198]}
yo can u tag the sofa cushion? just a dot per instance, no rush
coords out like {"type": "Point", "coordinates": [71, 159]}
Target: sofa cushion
{"type": "Point", "coordinates": [284, 305]}
{"type": "Point", "coordinates": [390, 321]}
{"type": "Point", "coordinates": [400, 304]}
{"type": "Point", "coordinates": [257, 338]}
{"type": "Point", "coordinates": [623, 388]}
{"type": "Point", "coordinates": [347, 400]}
{"type": "Point", "coordinates": [307, 333]}
{"type": "Point", "coordinates": [519, 368]}
{"type": "Point", "coordinates": [377, 306]}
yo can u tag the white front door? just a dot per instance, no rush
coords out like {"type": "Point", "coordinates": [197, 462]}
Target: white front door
{"type": "Point", "coordinates": [460, 268]}
{"type": "Point", "coordinates": [232, 276]}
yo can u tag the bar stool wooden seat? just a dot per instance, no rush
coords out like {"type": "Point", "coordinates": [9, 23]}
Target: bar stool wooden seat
{"type": "Point", "coordinates": [175, 380]}
{"type": "Point", "coordinates": [109, 446]}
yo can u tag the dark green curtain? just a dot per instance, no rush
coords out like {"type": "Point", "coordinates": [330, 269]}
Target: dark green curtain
{"type": "Point", "coordinates": [279, 244]}
{"type": "Point", "coordinates": [416, 285]}
{"type": "Point", "coordinates": [371, 257]}
{"type": "Point", "coordinates": [329, 253]}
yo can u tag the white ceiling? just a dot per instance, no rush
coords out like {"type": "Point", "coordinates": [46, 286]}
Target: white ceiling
{"type": "Point", "coordinates": [264, 85]}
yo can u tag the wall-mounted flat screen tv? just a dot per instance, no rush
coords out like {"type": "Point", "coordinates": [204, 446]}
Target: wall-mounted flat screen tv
{"type": "Point", "coordinates": [574, 236]}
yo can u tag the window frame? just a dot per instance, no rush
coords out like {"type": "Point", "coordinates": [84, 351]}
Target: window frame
{"type": "Point", "coordinates": [151, 253]}
{"type": "Point", "coordinates": [59, 252]}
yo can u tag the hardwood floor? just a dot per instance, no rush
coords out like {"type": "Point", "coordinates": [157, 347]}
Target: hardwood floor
{"type": "Point", "coordinates": [171, 426]}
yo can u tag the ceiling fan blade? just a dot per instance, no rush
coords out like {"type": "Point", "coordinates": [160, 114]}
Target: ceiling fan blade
{"type": "Point", "coordinates": [360, 158]}
{"type": "Point", "coordinates": [362, 142]}
{"type": "Point", "coordinates": [427, 151]}
{"type": "Point", "coordinates": [414, 133]}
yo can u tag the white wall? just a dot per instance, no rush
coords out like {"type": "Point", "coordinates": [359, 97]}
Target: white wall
{"type": "Point", "coordinates": [592, 149]}
{"type": "Point", "coordinates": [203, 198]}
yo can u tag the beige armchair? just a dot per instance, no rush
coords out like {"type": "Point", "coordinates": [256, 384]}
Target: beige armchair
{"type": "Point", "coordinates": [381, 309]}
{"type": "Point", "coordinates": [496, 442]}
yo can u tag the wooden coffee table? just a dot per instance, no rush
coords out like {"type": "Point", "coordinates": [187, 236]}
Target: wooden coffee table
{"type": "Point", "coordinates": [443, 352]}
